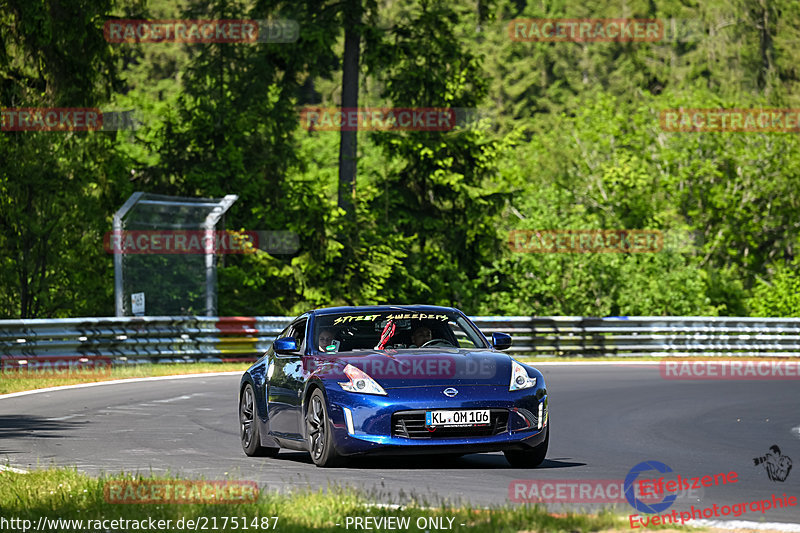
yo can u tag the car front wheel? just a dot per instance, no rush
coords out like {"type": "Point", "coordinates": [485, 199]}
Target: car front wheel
{"type": "Point", "coordinates": [318, 428]}
{"type": "Point", "coordinates": [529, 458]}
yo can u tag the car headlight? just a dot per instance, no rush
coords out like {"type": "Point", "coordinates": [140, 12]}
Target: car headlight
{"type": "Point", "coordinates": [519, 377]}
{"type": "Point", "coordinates": [360, 382]}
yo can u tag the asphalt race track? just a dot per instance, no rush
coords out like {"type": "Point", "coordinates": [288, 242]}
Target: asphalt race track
{"type": "Point", "coordinates": [605, 420]}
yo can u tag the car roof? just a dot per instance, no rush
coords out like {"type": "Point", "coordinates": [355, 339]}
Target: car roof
{"type": "Point", "coordinates": [381, 308]}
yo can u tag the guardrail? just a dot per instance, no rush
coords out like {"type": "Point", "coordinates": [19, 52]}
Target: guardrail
{"type": "Point", "coordinates": [638, 336]}
{"type": "Point", "coordinates": [142, 339]}
{"type": "Point", "coordinates": [188, 339]}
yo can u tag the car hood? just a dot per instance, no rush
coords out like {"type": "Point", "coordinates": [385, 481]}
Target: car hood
{"type": "Point", "coordinates": [417, 368]}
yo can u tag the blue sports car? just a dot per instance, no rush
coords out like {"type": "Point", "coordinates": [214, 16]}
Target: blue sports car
{"type": "Point", "coordinates": [411, 379]}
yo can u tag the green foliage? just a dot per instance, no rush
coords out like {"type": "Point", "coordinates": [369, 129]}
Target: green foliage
{"type": "Point", "coordinates": [51, 215]}
{"type": "Point", "coordinates": [55, 186]}
{"type": "Point", "coordinates": [574, 143]}
{"type": "Point", "coordinates": [780, 296]}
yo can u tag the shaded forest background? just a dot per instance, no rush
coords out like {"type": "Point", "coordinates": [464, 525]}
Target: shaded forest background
{"type": "Point", "coordinates": [572, 142]}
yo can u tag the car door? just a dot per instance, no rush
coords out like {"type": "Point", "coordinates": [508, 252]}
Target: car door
{"type": "Point", "coordinates": [286, 385]}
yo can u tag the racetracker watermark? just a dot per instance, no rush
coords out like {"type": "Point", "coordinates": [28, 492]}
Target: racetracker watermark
{"type": "Point", "coordinates": [200, 242]}
{"type": "Point", "coordinates": [586, 241]}
{"type": "Point", "coordinates": [378, 118]}
{"type": "Point", "coordinates": [201, 523]}
{"type": "Point", "coordinates": [583, 491]}
{"type": "Point", "coordinates": [201, 31]}
{"type": "Point", "coordinates": [65, 119]}
{"type": "Point", "coordinates": [692, 369]}
{"type": "Point", "coordinates": [180, 491]}
{"type": "Point", "coordinates": [586, 30]}
{"type": "Point", "coordinates": [55, 367]}
{"type": "Point", "coordinates": [391, 366]}
{"type": "Point", "coordinates": [731, 120]}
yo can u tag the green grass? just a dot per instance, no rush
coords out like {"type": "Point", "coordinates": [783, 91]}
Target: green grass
{"type": "Point", "coordinates": [68, 494]}
{"type": "Point", "coordinates": [11, 383]}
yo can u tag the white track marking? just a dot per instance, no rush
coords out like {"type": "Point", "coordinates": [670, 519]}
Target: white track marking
{"type": "Point", "coordinates": [796, 431]}
{"type": "Point", "coordinates": [592, 363]}
{"type": "Point", "coordinates": [4, 468]}
{"type": "Point", "coordinates": [235, 372]}
{"type": "Point", "coordinates": [747, 525]}
{"type": "Point", "coordinates": [119, 381]}
{"type": "Point", "coordinates": [61, 418]}
{"type": "Point", "coordinates": [177, 398]}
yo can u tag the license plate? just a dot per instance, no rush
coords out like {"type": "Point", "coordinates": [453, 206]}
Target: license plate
{"type": "Point", "coordinates": [473, 417]}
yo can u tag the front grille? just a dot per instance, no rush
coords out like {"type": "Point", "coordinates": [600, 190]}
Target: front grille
{"type": "Point", "coordinates": [411, 425]}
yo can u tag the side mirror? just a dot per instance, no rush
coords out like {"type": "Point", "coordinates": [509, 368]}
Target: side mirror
{"type": "Point", "coordinates": [285, 345]}
{"type": "Point", "coordinates": [501, 341]}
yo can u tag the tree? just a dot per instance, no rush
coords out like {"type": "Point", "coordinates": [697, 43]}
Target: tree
{"type": "Point", "coordinates": [54, 184]}
{"type": "Point", "coordinates": [442, 196]}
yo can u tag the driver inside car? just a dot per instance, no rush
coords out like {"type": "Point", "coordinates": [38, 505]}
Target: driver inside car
{"type": "Point", "coordinates": [326, 339]}
{"type": "Point", "coordinates": [421, 335]}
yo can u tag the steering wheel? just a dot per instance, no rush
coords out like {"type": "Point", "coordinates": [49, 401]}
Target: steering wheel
{"type": "Point", "coordinates": [439, 341]}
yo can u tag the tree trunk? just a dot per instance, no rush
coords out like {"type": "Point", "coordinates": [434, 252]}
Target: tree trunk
{"type": "Point", "coordinates": [765, 45]}
{"type": "Point", "coordinates": [349, 145]}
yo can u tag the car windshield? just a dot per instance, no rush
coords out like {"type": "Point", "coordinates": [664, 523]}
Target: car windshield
{"type": "Point", "coordinates": [394, 330]}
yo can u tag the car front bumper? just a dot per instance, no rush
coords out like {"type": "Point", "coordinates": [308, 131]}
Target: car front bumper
{"type": "Point", "coordinates": [364, 424]}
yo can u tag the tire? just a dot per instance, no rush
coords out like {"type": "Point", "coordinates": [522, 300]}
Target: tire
{"type": "Point", "coordinates": [318, 428]}
{"type": "Point", "coordinates": [529, 458]}
{"type": "Point", "coordinates": [248, 426]}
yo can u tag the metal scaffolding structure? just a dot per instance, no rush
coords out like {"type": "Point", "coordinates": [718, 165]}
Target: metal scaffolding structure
{"type": "Point", "coordinates": [169, 283]}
